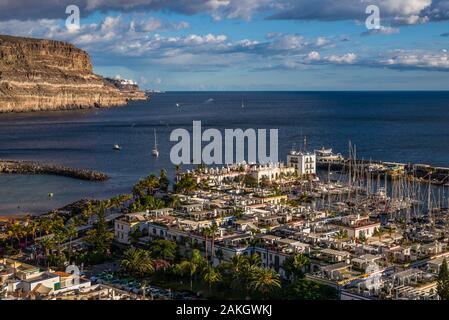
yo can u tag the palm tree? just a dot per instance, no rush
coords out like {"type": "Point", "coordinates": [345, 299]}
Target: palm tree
{"type": "Point", "coordinates": [237, 270]}
{"type": "Point", "coordinates": [137, 262]}
{"type": "Point", "coordinates": [238, 263]}
{"type": "Point", "coordinates": [173, 202]}
{"type": "Point", "coordinates": [214, 230]}
{"type": "Point", "coordinates": [15, 231]}
{"type": "Point", "coordinates": [100, 237]}
{"type": "Point", "coordinates": [264, 281]}
{"type": "Point", "coordinates": [443, 282]}
{"type": "Point", "coordinates": [33, 226]}
{"type": "Point", "coordinates": [294, 265]}
{"type": "Point", "coordinates": [154, 203]}
{"type": "Point", "coordinates": [163, 180]}
{"type": "Point", "coordinates": [254, 260]}
{"type": "Point", "coordinates": [47, 244]}
{"type": "Point", "coordinates": [206, 233]}
{"type": "Point", "coordinates": [71, 233]}
{"type": "Point", "coordinates": [191, 266]}
{"type": "Point", "coordinates": [378, 233]}
{"type": "Point", "coordinates": [211, 276]}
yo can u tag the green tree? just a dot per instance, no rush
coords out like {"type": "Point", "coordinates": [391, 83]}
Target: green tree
{"type": "Point", "coordinates": [152, 203]}
{"type": "Point", "coordinates": [137, 262]}
{"type": "Point", "coordinates": [15, 231]}
{"type": "Point", "coordinates": [164, 249]}
{"type": "Point", "coordinates": [173, 202]}
{"type": "Point", "coordinates": [192, 266]}
{"type": "Point", "coordinates": [100, 237]}
{"type": "Point", "coordinates": [250, 181]}
{"type": "Point", "coordinates": [264, 281]}
{"type": "Point", "coordinates": [211, 276]}
{"type": "Point", "coordinates": [303, 289]}
{"type": "Point", "coordinates": [186, 184]}
{"type": "Point", "coordinates": [240, 271]}
{"type": "Point", "coordinates": [146, 186]}
{"type": "Point", "coordinates": [163, 180]}
{"type": "Point", "coordinates": [47, 244]}
{"type": "Point", "coordinates": [213, 229]}
{"type": "Point", "coordinates": [294, 266]}
{"type": "Point", "coordinates": [443, 282]}
{"type": "Point", "coordinates": [71, 233]}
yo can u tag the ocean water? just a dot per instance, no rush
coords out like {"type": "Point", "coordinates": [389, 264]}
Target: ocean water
{"type": "Point", "coordinates": [391, 126]}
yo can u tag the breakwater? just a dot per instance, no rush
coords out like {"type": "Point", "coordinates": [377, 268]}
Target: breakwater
{"type": "Point", "coordinates": [31, 167]}
{"type": "Point", "coordinates": [420, 172]}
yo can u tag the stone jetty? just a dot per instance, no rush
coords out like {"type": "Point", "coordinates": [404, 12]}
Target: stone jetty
{"type": "Point", "coordinates": [31, 167]}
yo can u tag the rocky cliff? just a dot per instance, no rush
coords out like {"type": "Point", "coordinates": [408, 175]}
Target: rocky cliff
{"type": "Point", "coordinates": [52, 75]}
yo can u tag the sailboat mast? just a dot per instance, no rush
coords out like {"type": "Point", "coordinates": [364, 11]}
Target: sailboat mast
{"type": "Point", "coordinates": [155, 139]}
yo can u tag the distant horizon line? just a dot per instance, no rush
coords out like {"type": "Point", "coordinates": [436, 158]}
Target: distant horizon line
{"type": "Point", "coordinates": [403, 90]}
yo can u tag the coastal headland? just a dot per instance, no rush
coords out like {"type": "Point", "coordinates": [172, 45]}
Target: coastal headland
{"type": "Point", "coordinates": [38, 75]}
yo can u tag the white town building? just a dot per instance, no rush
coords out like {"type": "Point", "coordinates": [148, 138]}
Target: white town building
{"type": "Point", "coordinates": [303, 162]}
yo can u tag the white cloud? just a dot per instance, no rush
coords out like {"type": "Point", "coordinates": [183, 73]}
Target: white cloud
{"type": "Point", "coordinates": [313, 56]}
{"type": "Point", "coordinates": [347, 58]}
{"type": "Point", "coordinates": [381, 30]}
{"type": "Point", "coordinates": [409, 59]}
{"type": "Point", "coordinates": [321, 41]}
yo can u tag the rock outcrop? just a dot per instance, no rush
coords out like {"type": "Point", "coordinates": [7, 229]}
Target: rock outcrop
{"type": "Point", "coordinates": [52, 75]}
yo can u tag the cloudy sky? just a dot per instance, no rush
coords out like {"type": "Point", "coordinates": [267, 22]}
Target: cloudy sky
{"type": "Point", "coordinates": [251, 44]}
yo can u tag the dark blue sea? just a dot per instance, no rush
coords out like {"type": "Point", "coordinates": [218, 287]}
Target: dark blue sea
{"type": "Point", "coordinates": [391, 126]}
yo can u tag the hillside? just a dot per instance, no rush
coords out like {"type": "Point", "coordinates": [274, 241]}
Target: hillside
{"type": "Point", "coordinates": [52, 75]}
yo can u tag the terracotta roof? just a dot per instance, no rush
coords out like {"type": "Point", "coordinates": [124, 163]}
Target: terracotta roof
{"type": "Point", "coordinates": [62, 274]}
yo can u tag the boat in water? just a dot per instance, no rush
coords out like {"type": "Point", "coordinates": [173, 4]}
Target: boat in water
{"type": "Point", "coordinates": [155, 151]}
{"type": "Point", "coordinates": [324, 155]}
{"type": "Point", "coordinates": [116, 147]}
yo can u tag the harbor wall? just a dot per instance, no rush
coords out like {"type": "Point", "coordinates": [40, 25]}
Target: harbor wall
{"type": "Point", "coordinates": [30, 167]}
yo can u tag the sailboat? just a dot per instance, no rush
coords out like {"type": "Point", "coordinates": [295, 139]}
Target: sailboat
{"type": "Point", "coordinates": [243, 105]}
{"type": "Point", "coordinates": [116, 147]}
{"type": "Point", "coordinates": [155, 152]}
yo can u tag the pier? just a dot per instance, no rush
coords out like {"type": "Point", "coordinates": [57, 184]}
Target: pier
{"type": "Point", "coordinates": [420, 172]}
{"type": "Point", "coordinates": [31, 167]}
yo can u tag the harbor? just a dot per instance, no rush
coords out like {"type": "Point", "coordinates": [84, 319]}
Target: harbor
{"type": "Point", "coordinates": [358, 234]}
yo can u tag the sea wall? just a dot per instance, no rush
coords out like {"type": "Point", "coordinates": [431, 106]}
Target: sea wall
{"type": "Point", "coordinates": [30, 167]}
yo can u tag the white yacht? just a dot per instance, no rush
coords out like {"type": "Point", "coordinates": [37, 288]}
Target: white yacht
{"type": "Point", "coordinates": [116, 147]}
{"type": "Point", "coordinates": [324, 155]}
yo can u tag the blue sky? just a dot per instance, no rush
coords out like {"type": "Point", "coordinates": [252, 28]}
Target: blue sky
{"type": "Point", "coordinates": [251, 44]}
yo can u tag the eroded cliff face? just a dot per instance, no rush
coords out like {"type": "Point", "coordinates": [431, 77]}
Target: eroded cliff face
{"type": "Point", "coordinates": [51, 75]}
